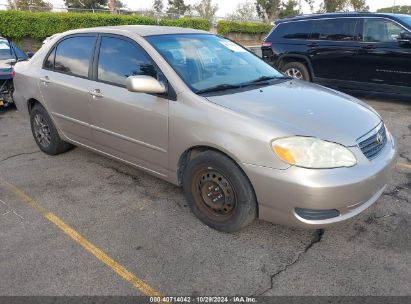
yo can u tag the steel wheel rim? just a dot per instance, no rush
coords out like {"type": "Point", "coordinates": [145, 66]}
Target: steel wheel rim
{"type": "Point", "coordinates": [214, 194]}
{"type": "Point", "coordinates": [42, 131]}
{"type": "Point", "coordinates": [294, 73]}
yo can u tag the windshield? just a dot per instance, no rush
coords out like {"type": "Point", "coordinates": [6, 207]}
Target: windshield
{"type": "Point", "coordinates": [206, 61]}
{"type": "Point", "coordinates": [406, 19]}
{"type": "Point", "coordinates": [5, 50]}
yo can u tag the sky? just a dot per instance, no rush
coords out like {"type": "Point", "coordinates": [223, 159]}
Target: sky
{"type": "Point", "coordinates": [227, 6]}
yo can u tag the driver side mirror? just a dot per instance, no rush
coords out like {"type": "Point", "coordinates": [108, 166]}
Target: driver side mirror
{"type": "Point", "coordinates": [10, 61]}
{"type": "Point", "coordinates": [145, 84]}
{"type": "Point", "coordinates": [405, 37]}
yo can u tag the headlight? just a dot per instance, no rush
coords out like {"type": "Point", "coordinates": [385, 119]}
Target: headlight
{"type": "Point", "coordinates": [310, 152]}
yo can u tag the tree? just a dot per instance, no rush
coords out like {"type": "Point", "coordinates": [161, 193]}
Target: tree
{"type": "Point", "coordinates": [310, 3]}
{"type": "Point", "coordinates": [359, 5]}
{"type": "Point", "coordinates": [86, 4]}
{"type": "Point", "coordinates": [288, 9]}
{"type": "Point", "coordinates": [404, 9]}
{"type": "Point", "coordinates": [244, 11]}
{"type": "Point", "coordinates": [268, 10]}
{"type": "Point", "coordinates": [32, 5]}
{"type": "Point", "coordinates": [158, 6]}
{"type": "Point", "coordinates": [115, 5]}
{"type": "Point", "coordinates": [330, 6]}
{"type": "Point", "coordinates": [205, 9]}
{"type": "Point", "coordinates": [177, 7]}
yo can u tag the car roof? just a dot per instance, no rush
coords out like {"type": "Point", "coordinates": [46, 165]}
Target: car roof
{"type": "Point", "coordinates": [336, 15]}
{"type": "Point", "coordinates": [142, 30]}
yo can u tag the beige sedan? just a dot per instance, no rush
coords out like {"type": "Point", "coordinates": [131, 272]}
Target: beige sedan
{"type": "Point", "coordinates": [243, 140]}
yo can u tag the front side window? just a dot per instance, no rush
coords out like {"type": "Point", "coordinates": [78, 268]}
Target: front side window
{"type": "Point", "coordinates": [206, 61]}
{"type": "Point", "coordinates": [341, 29]}
{"type": "Point", "coordinates": [5, 50]}
{"type": "Point", "coordinates": [381, 30]}
{"type": "Point", "coordinates": [119, 59]}
{"type": "Point", "coordinates": [73, 55]}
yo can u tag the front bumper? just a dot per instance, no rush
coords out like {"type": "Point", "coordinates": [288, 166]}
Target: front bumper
{"type": "Point", "coordinates": [348, 190]}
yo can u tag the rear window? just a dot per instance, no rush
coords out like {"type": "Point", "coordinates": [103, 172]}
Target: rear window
{"type": "Point", "coordinates": [342, 29]}
{"type": "Point", "coordinates": [292, 30]}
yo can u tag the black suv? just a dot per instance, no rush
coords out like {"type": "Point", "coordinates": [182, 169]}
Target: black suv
{"type": "Point", "coordinates": [360, 51]}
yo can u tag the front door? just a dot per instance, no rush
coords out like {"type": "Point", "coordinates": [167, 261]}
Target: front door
{"type": "Point", "coordinates": [384, 59]}
{"type": "Point", "coordinates": [130, 126]}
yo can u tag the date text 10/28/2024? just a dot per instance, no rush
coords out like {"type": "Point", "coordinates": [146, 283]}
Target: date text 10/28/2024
{"type": "Point", "coordinates": [205, 299]}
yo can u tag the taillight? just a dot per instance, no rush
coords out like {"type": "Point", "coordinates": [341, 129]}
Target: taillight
{"type": "Point", "coordinates": [13, 73]}
{"type": "Point", "coordinates": [267, 43]}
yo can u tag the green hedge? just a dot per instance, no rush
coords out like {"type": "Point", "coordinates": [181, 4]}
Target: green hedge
{"type": "Point", "coordinates": [195, 23]}
{"type": "Point", "coordinates": [225, 27]}
{"type": "Point", "coordinates": [19, 24]}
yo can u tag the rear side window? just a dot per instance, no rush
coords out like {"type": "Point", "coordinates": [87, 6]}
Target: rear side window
{"type": "Point", "coordinates": [73, 55]}
{"type": "Point", "coordinates": [293, 30]}
{"type": "Point", "coordinates": [119, 59]}
{"type": "Point", "coordinates": [342, 29]}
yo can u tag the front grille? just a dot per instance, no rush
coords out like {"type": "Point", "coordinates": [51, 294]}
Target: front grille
{"type": "Point", "coordinates": [373, 145]}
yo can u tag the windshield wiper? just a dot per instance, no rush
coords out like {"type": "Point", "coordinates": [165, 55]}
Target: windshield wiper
{"type": "Point", "coordinates": [266, 78]}
{"type": "Point", "coordinates": [220, 87]}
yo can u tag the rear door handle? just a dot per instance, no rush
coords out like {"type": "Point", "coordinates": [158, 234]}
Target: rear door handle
{"type": "Point", "coordinates": [45, 79]}
{"type": "Point", "coordinates": [96, 93]}
{"type": "Point", "coordinates": [314, 44]}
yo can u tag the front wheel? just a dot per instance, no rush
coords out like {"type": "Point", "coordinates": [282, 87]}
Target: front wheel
{"type": "Point", "coordinates": [218, 192]}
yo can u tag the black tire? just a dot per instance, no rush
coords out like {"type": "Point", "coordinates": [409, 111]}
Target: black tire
{"type": "Point", "coordinates": [48, 140]}
{"type": "Point", "coordinates": [237, 206]}
{"type": "Point", "coordinates": [299, 67]}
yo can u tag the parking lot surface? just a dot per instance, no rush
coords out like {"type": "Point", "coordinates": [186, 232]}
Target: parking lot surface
{"type": "Point", "coordinates": [82, 224]}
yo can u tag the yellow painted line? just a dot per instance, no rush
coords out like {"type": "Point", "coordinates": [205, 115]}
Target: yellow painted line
{"type": "Point", "coordinates": [137, 283]}
{"type": "Point", "coordinates": [402, 165]}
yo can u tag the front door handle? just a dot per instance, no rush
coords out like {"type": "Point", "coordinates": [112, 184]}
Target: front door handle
{"type": "Point", "coordinates": [96, 93]}
{"type": "Point", "coordinates": [45, 79]}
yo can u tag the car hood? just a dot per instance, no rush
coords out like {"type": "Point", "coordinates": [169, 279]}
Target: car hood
{"type": "Point", "coordinates": [300, 108]}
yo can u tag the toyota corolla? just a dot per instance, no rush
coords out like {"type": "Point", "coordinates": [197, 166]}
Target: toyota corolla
{"type": "Point", "coordinates": [200, 111]}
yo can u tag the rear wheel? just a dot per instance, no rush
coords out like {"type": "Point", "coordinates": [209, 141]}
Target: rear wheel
{"type": "Point", "coordinates": [45, 133]}
{"type": "Point", "coordinates": [297, 70]}
{"type": "Point", "coordinates": [218, 192]}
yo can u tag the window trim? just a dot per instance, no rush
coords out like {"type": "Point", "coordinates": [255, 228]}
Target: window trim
{"type": "Point", "coordinates": [341, 17]}
{"type": "Point", "coordinates": [55, 46]}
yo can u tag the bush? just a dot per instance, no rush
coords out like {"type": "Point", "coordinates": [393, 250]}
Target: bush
{"type": "Point", "coordinates": [225, 27]}
{"type": "Point", "coordinates": [195, 23]}
{"type": "Point", "coordinates": [20, 24]}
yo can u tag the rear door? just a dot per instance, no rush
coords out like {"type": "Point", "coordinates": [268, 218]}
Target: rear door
{"type": "Point", "coordinates": [131, 126]}
{"type": "Point", "coordinates": [65, 85]}
{"type": "Point", "coordinates": [383, 59]}
{"type": "Point", "coordinates": [333, 48]}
